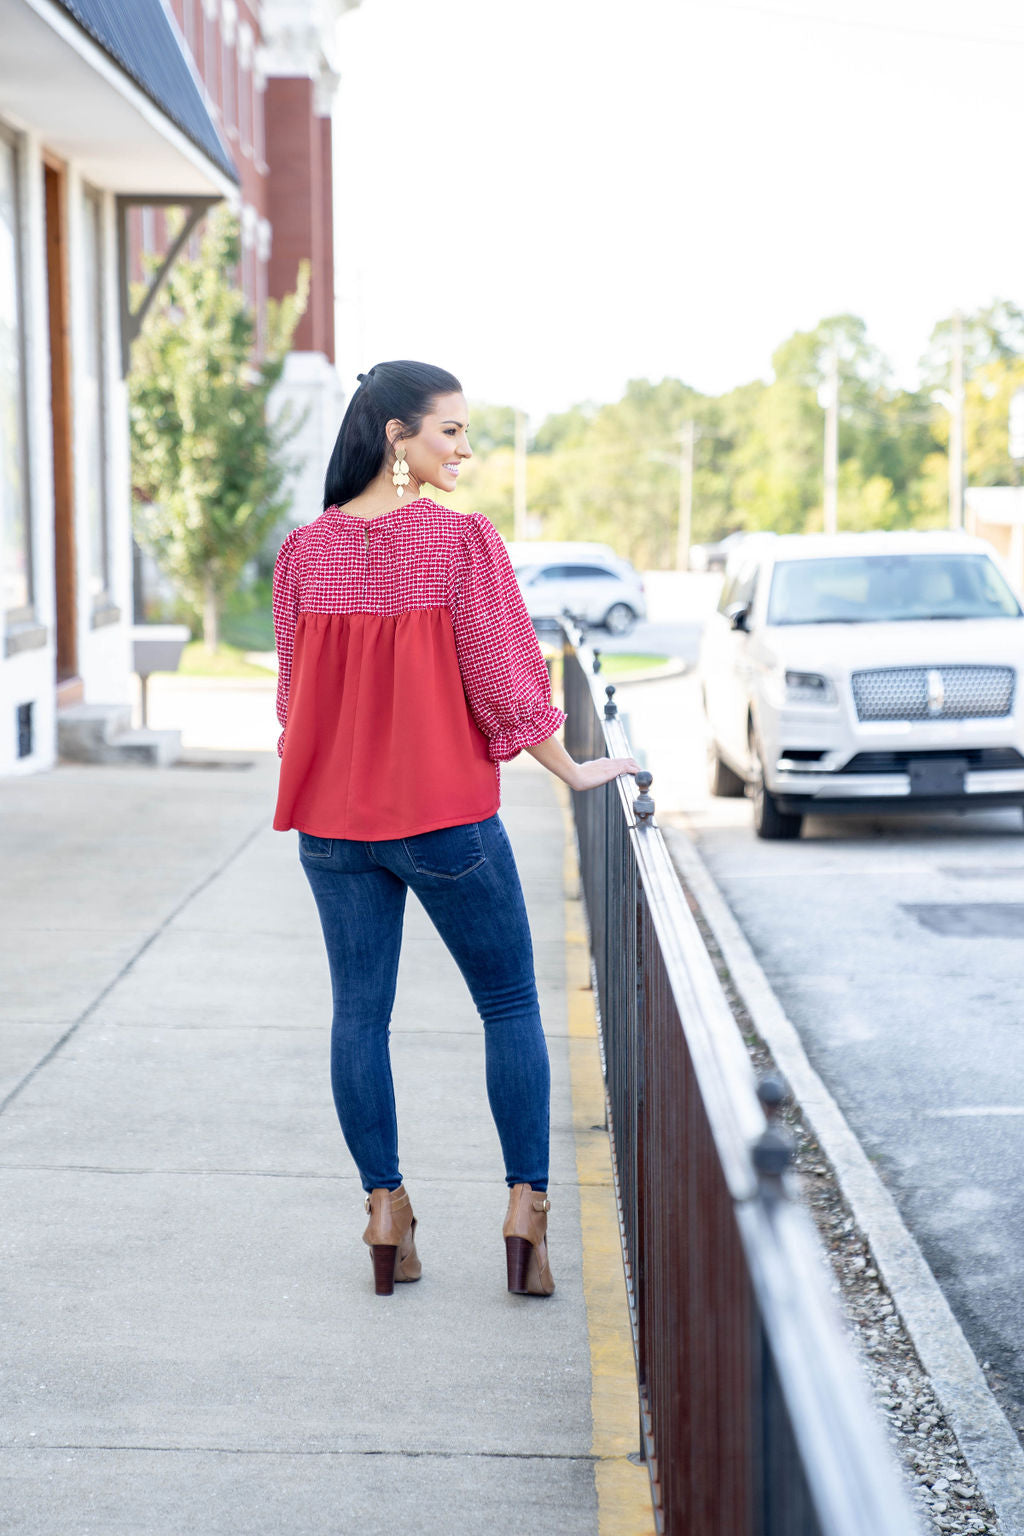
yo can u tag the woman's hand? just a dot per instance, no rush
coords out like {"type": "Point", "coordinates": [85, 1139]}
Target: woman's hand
{"type": "Point", "coordinates": [600, 769]}
{"type": "Point", "coordinates": [553, 756]}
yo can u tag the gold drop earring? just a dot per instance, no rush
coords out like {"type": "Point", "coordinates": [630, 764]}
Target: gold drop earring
{"type": "Point", "coordinates": [400, 471]}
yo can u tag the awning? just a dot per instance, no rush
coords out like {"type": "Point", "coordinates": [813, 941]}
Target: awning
{"type": "Point", "coordinates": [105, 82]}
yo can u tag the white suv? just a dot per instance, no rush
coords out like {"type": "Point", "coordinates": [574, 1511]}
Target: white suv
{"type": "Point", "coordinates": [864, 671]}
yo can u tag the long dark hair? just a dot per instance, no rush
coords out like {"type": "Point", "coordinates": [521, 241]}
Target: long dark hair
{"type": "Point", "coordinates": [401, 391]}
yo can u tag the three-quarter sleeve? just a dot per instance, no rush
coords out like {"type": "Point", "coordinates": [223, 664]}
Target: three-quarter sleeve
{"type": "Point", "coordinates": [503, 671]}
{"type": "Point", "coordinates": [286, 614]}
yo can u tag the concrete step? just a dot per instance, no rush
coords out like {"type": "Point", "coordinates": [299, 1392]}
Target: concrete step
{"type": "Point", "coordinates": [102, 733]}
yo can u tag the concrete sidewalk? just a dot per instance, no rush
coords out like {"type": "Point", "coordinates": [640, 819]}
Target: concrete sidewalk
{"type": "Point", "coordinates": [188, 1318]}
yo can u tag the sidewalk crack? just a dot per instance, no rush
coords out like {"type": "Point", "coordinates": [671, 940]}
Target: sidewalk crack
{"type": "Point", "coordinates": [129, 965]}
{"type": "Point", "coordinates": [253, 1450]}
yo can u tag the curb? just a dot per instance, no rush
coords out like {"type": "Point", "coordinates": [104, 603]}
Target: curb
{"type": "Point", "coordinates": [983, 1432]}
{"type": "Point", "coordinates": [622, 1482]}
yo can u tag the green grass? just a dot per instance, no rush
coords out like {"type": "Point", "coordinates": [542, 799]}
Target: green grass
{"type": "Point", "coordinates": [251, 631]}
{"type": "Point", "coordinates": [620, 663]}
{"type": "Point", "coordinates": [229, 661]}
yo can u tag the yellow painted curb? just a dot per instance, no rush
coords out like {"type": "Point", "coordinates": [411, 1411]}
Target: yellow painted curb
{"type": "Point", "coordinates": [623, 1487]}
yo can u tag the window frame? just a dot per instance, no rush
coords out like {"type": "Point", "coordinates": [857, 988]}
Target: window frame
{"type": "Point", "coordinates": [25, 613]}
{"type": "Point", "coordinates": [100, 598]}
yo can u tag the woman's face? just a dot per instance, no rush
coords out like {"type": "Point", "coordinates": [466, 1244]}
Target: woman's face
{"type": "Point", "coordinates": [441, 445]}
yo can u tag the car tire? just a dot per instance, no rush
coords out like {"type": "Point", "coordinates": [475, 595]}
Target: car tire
{"type": "Point", "coordinates": [722, 781]}
{"type": "Point", "coordinates": [770, 824]}
{"type": "Point", "coordinates": [619, 619]}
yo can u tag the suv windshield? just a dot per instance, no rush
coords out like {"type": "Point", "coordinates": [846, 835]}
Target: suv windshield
{"type": "Point", "coordinates": [882, 589]}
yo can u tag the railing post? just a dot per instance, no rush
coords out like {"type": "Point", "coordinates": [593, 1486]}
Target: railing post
{"type": "Point", "coordinates": [773, 1151]}
{"type": "Point", "coordinates": [643, 805]}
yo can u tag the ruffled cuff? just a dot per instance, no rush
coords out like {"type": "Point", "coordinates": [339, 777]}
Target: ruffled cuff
{"type": "Point", "coordinates": [525, 733]}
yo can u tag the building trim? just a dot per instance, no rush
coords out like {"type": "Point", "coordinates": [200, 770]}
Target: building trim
{"type": "Point", "coordinates": [111, 73]}
{"type": "Point", "coordinates": [158, 65]}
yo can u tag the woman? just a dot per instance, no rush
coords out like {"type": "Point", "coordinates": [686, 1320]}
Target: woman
{"type": "Point", "coordinates": [409, 671]}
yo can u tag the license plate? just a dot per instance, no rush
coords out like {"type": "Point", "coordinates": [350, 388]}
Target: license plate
{"type": "Point", "coordinates": [937, 776]}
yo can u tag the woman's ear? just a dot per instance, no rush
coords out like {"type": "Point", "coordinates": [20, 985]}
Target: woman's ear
{"type": "Point", "coordinates": [393, 431]}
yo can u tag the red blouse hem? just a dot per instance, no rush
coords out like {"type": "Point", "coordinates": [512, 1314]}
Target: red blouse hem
{"type": "Point", "coordinates": [432, 826]}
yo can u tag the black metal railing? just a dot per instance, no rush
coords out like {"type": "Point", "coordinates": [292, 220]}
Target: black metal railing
{"type": "Point", "coordinates": [753, 1419]}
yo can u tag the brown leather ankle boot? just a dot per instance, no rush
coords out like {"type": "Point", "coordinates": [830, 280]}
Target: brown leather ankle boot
{"type": "Point", "coordinates": [390, 1234]}
{"type": "Point", "coordinates": [526, 1243]}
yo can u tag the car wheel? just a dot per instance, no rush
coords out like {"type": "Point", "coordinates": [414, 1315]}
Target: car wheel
{"type": "Point", "coordinates": [770, 823]}
{"type": "Point", "coordinates": [722, 781]}
{"type": "Point", "coordinates": [619, 619]}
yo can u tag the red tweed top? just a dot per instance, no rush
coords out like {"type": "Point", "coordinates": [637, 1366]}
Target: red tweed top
{"type": "Point", "coordinates": [409, 670]}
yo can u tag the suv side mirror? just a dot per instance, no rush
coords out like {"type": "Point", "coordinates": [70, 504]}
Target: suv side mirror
{"type": "Point", "coordinates": [738, 615]}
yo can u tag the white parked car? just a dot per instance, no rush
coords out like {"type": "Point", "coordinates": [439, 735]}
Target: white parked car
{"type": "Point", "coordinates": [596, 587]}
{"type": "Point", "coordinates": [864, 671]}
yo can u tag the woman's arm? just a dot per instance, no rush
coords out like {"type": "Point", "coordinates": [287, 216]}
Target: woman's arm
{"type": "Point", "coordinates": [553, 756]}
{"type": "Point", "coordinates": [286, 614]}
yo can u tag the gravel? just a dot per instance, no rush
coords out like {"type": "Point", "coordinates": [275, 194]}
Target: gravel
{"type": "Point", "coordinates": [938, 1478]}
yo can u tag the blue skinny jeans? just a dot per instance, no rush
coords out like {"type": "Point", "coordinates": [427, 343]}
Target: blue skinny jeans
{"type": "Point", "coordinates": [468, 883]}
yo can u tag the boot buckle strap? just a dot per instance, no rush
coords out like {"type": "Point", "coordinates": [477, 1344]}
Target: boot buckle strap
{"type": "Point", "coordinates": [542, 1205]}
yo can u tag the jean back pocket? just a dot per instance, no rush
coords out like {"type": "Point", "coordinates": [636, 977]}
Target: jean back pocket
{"type": "Point", "coordinates": [448, 853]}
{"type": "Point", "coordinates": [311, 847]}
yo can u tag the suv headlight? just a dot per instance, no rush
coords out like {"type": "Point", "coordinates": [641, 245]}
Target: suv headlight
{"type": "Point", "coordinates": [808, 688]}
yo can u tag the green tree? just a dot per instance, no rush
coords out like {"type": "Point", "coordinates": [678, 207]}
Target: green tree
{"type": "Point", "coordinates": [490, 427]}
{"type": "Point", "coordinates": [994, 333]}
{"type": "Point", "coordinates": [987, 413]}
{"type": "Point", "coordinates": [208, 462]}
{"type": "Point", "coordinates": [611, 472]}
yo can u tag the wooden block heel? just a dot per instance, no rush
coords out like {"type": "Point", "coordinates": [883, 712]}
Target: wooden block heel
{"type": "Point", "coordinates": [391, 1238]}
{"type": "Point", "coordinates": [384, 1256]}
{"type": "Point", "coordinates": [526, 1242]}
{"type": "Point", "coordinates": [518, 1253]}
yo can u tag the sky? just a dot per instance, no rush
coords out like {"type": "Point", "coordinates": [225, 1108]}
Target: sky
{"type": "Point", "coordinates": [551, 197]}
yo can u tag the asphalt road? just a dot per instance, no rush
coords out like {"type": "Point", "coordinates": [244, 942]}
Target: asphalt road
{"type": "Point", "coordinates": [895, 946]}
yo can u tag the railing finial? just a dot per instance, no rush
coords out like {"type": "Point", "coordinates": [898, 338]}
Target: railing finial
{"type": "Point", "coordinates": [611, 709]}
{"type": "Point", "coordinates": [597, 660]}
{"type": "Point", "coordinates": [774, 1149]}
{"type": "Point", "coordinates": [643, 805]}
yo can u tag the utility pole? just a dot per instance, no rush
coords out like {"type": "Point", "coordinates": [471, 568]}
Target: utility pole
{"type": "Point", "coordinates": [956, 426]}
{"type": "Point", "coordinates": [832, 444]}
{"type": "Point", "coordinates": [687, 444]}
{"type": "Point", "coordinates": [519, 479]}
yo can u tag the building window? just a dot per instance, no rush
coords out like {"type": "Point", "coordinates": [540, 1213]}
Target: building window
{"type": "Point", "coordinates": [245, 86]}
{"type": "Point", "coordinates": [93, 403]}
{"type": "Point", "coordinates": [15, 527]}
{"type": "Point", "coordinates": [211, 73]}
{"type": "Point", "coordinates": [260, 130]}
{"type": "Point", "coordinates": [229, 65]}
{"type": "Point", "coordinates": [189, 20]}
{"type": "Point", "coordinates": [228, 88]}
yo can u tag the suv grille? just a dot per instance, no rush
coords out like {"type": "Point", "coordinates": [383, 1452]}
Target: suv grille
{"type": "Point", "coordinates": [934, 693]}
{"type": "Point", "coordinates": [978, 759]}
